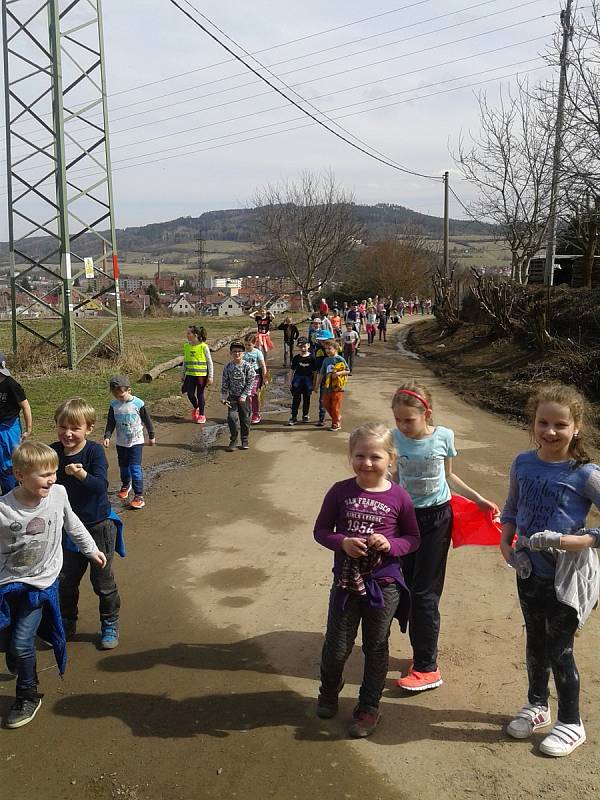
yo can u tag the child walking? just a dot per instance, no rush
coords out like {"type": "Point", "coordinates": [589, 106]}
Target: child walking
{"type": "Point", "coordinates": [236, 384]}
{"type": "Point", "coordinates": [331, 379]}
{"type": "Point", "coordinates": [82, 470]}
{"type": "Point", "coordinates": [128, 415]}
{"type": "Point", "coordinates": [263, 319]}
{"type": "Point", "coordinates": [382, 325]}
{"type": "Point", "coordinates": [256, 359]}
{"type": "Point", "coordinates": [551, 491]}
{"type": "Point", "coordinates": [425, 469]}
{"type": "Point", "coordinates": [350, 342]}
{"type": "Point", "coordinates": [290, 335]}
{"type": "Point", "coordinates": [371, 324]}
{"type": "Point", "coordinates": [197, 371]}
{"type": "Point", "coordinates": [368, 522]}
{"type": "Point", "coordinates": [12, 402]}
{"type": "Point", "coordinates": [301, 379]}
{"type": "Point", "coordinates": [32, 519]}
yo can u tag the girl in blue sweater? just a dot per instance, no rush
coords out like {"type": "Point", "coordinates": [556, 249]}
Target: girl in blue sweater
{"type": "Point", "coordinates": [551, 489]}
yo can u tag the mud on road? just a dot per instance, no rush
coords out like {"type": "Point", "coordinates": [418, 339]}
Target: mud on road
{"type": "Point", "coordinates": [211, 692]}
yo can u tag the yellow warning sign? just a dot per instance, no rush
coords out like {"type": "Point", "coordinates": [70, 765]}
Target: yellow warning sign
{"type": "Point", "coordinates": [89, 267]}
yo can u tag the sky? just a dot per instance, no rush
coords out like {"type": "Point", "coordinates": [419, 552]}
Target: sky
{"type": "Point", "coordinates": [386, 71]}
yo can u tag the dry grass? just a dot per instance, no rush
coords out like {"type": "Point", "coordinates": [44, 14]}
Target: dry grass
{"type": "Point", "coordinates": [34, 357]}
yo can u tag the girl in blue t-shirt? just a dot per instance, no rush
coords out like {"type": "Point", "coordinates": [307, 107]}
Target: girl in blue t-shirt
{"type": "Point", "coordinates": [551, 492]}
{"type": "Point", "coordinates": [255, 356]}
{"type": "Point", "coordinates": [425, 454]}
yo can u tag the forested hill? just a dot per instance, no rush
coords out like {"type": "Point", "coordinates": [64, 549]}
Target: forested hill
{"type": "Point", "coordinates": [380, 222]}
{"type": "Point", "coordinates": [239, 225]}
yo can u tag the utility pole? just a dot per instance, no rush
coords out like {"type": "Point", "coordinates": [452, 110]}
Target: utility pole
{"type": "Point", "coordinates": [59, 182]}
{"type": "Point", "coordinates": [201, 271]}
{"type": "Point", "coordinates": [567, 33]}
{"type": "Point", "coordinates": [446, 226]}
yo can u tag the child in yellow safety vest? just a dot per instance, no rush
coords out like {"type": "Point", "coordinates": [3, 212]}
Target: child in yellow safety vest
{"type": "Point", "coordinates": [197, 371]}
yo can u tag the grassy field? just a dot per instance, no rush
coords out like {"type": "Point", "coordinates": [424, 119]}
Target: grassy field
{"type": "Point", "coordinates": [213, 251]}
{"type": "Point", "coordinates": [148, 342]}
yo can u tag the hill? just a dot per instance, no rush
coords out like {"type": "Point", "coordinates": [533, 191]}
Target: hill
{"type": "Point", "coordinates": [166, 239]}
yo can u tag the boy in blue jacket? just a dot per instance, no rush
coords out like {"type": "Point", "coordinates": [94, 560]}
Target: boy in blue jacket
{"type": "Point", "coordinates": [82, 470]}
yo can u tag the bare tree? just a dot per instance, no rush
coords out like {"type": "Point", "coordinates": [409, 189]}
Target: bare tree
{"type": "Point", "coordinates": [308, 227]}
{"type": "Point", "coordinates": [581, 151]}
{"type": "Point", "coordinates": [510, 162]}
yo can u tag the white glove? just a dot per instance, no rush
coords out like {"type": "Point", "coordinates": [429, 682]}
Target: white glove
{"type": "Point", "coordinates": [543, 540]}
{"type": "Point", "coordinates": [521, 563]}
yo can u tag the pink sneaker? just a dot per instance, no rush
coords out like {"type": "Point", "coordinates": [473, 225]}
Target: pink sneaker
{"type": "Point", "coordinates": [200, 419]}
{"type": "Point", "coordinates": [194, 415]}
{"type": "Point", "coordinates": [255, 419]}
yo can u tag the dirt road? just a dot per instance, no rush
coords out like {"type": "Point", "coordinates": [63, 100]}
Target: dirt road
{"type": "Point", "coordinates": [211, 692]}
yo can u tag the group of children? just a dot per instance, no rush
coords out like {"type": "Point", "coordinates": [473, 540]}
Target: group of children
{"type": "Point", "coordinates": [55, 520]}
{"type": "Point", "coordinates": [390, 529]}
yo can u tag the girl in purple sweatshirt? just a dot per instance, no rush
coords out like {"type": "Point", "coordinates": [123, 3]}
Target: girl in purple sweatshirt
{"type": "Point", "coordinates": [369, 522]}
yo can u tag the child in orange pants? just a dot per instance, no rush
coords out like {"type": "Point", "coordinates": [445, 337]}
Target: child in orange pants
{"type": "Point", "coordinates": [333, 377]}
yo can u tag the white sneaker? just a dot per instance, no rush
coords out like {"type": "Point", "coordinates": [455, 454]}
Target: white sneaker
{"type": "Point", "coordinates": [528, 720]}
{"type": "Point", "coordinates": [562, 740]}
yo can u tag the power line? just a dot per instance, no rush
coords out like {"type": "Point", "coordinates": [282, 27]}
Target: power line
{"type": "Point", "coordinates": [294, 103]}
{"type": "Point", "coordinates": [349, 55]}
{"type": "Point", "coordinates": [85, 174]}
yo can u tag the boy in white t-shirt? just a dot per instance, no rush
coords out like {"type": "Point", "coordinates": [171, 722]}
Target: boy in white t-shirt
{"type": "Point", "coordinates": [350, 344]}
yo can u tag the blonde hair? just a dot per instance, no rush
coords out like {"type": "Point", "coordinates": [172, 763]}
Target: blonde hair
{"type": "Point", "coordinates": [330, 343]}
{"type": "Point", "coordinates": [74, 411]}
{"type": "Point", "coordinates": [33, 456]}
{"type": "Point", "coordinates": [373, 430]}
{"type": "Point", "coordinates": [402, 398]}
{"type": "Point", "coordinates": [568, 397]}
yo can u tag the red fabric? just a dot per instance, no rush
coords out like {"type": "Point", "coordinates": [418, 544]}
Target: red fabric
{"type": "Point", "coordinates": [472, 525]}
{"type": "Point", "coordinates": [332, 403]}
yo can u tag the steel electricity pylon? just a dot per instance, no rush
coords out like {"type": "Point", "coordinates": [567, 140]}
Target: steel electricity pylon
{"type": "Point", "coordinates": [60, 206]}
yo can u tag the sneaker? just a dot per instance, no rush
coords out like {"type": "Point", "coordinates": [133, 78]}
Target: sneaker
{"type": "Point", "coordinates": [70, 626]}
{"type": "Point", "coordinates": [335, 427]}
{"type": "Point", "coordinates": [255, 419]}
{"type": "Point", "coordinates": [123, 492]}
{"type": "Point", "coordinates": [419, 681]}
{"type": "Point", "coordinates": [201, 419]}
{"type": "Point", "coordinates": [320, 424]}
{"type": "Point", "coordinates": [137, 502]}
{"type": "Point", "coordinates": [194, 415]}
{"type": "Point", "coordinates": [231, 446]}
{"type": "Point", "coordinates": [363, 723]}
{"type": "Point", "coordinates": [306, 419]}
{"type": "Point", "coordinates": [527, 720]}
{"type": "Point", "coordinates": [327, 707]}
{"type": "Point", "coordinates": [292, 421]}
{"type": "Point", "coordinates": [562, 740]}
{"type": "Point", "coordinates": [109, 636]}
{"type": "Point", "coordinates": [23, 711]}
{"type": "Point", "coordinates": [244, 445]}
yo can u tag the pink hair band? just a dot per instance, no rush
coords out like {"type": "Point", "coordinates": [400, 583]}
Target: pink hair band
{"type": "Point", "coordinates": [419, 397]}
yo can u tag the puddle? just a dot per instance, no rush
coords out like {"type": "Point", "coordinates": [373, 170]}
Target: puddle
{"type": "Point", "coordinates": [401, 346]}
{"type": "Point", "coordinates": [240, 577]}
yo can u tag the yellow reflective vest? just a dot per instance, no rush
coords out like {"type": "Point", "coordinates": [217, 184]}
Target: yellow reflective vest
{"type": "Point", "coordinates": [194, 359]}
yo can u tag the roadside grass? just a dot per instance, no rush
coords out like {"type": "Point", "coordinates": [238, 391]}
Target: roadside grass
{"type": "Point", "coordinates": [147, 342]}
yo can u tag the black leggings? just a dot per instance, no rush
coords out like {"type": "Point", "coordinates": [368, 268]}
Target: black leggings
{"type": "Point", "coordinates": [551, 627]}
{"type": "Point", "coordinates": [424, 573]}
{"type": "Point", "coordinates": [195, 391]}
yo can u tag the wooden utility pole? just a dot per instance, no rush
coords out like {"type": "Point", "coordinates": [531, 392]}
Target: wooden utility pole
{"type": "Point", "coordinates": [201, 271]}
{"type": "Point", "coordinates": [567, 33]}
{"type": "Point", "coordinates": [446, 227]}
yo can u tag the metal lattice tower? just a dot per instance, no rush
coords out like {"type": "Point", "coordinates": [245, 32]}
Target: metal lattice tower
{"type": "Point", "coordinates": [60, 207]}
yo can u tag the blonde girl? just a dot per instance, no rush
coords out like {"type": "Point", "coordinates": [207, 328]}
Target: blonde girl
{"type": "Point", "coordinates": [551, 492]}
{"type": "Point", "coordinates": [369, 522]}
{"type": "Point", "coordinates": [255, 357]}
{"type": "Point", "coordinates": [425, 455]}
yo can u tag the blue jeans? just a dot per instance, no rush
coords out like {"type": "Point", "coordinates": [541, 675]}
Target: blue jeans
{"type": "Point", "coordinates": [130, 466]}
{"type": "Point", "coordinates": [19, 642]}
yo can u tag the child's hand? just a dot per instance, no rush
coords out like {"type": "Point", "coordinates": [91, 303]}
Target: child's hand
{"type": "Point", "coordinates": [76, 470]}
{"type": "Point", "coordinates": [99, 558]}
{"type": "Point", "coordinates": [106, 442]}
{"type": "Point", "coordinates": [379, 542]}
{"type": "Point", "coordinates": [210, 382]}
{"type": "Point", "coordinates": [506, 550]}
{"type": "Point", "coordinates": [354, 547]}
{"type": "Point", "coordinates": [25, 435]}
{"type": "Point", "coordinates": [151, 442]}
{"type": "Point", "coordinates": [487, 505]}
{"type": "Point", "coordinates": [542, 541]}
